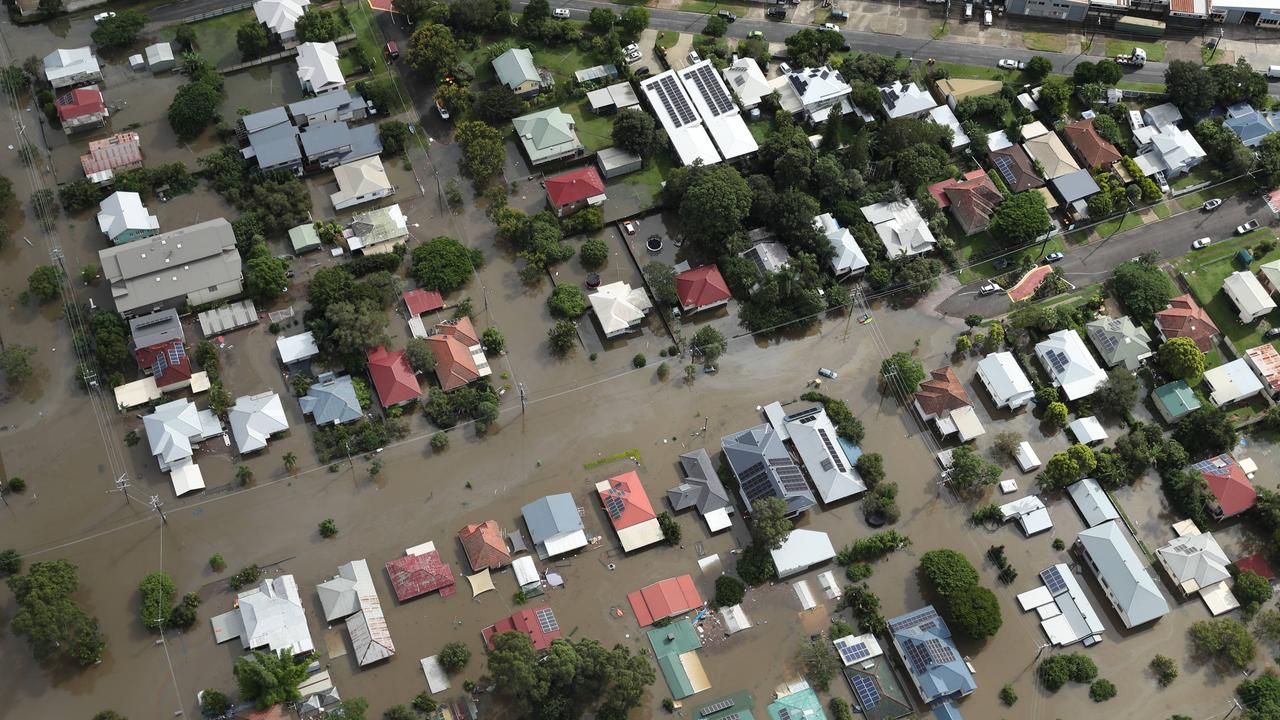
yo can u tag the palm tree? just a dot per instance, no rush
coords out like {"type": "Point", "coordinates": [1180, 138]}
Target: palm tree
{"type": "Point", "coordinates": [244, 475]}
{"type": "Point", "coordinates": [290, 461]}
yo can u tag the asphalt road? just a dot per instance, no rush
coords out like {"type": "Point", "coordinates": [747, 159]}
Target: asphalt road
{"type": "Point", "coordinates": [1093, 263]}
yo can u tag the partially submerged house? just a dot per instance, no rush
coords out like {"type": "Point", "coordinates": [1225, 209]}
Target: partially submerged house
{"type": "Point", "coordinates": [803, 549]}
{"type": "Point", "coordinates": [65, 68]}
{"type": "Point", "coordinates": [255, 419]}
{"type": "Point", "coordinates": [1068, 362]}
{"type": "Point", "coordinates": [630, 512]}
{"type": "Point", "coordinates": [328, 144]}
{"type": "Point", "coordinates": [1265, 361]}
{"type": "Point", "coordinates": [822, 453]}
{"type": "Point", "coordinates": [1066, 614]}
{"type": "Point", "coordinates": [1197, 565]}
{"type": "Point", "coordinates": [664, 599]}
{"type": "Point", "coordinates": [943, 401]}
{"type": "Point", "coordinates": [620, 308]}
{"type": "Point", "coordinates": [700, 487]}
{"type": "Point", "coordinates": [460, 358]}
{"type": "Point", "coordinates": [1230, 490]}
{"type": "Point", "coordinates": [1185, 318]}
{"type": "Point", "coordinates": [548, 135]}
{"type": "Point", "coordinates": [393, 380]}
{"type": "Point", "coordinates": [1031, 514]}
{"type": "Point", "coordinates": [173, 430]}
{"type": "Point", "coordinates": [267, 616]}
{"type": "Point", "coordinates": [81, 109]}
{"type": "Point", "coordinates": [554, 525]}
{"type": "Point", "coordinates": [376, 231]}
{"type": "Point", "coordinates": [763, 467]}
{"type": "Point", "coordinates": [338, 105]}
{"type": "Point", "coordinates": [701, 288]}
{"type": "Point", "coordinates": [571, 191]}
{"type": "Point", "coordinates": [351, 595]}
{"type": "Point", "coordinates": [159, 347]}
{"type": "Point", "coordinates": [539, 624]}
{"type": "Point", "coordinates": [1092, 502]}
{"type": "Point", "coordinates": [123, 218]}
{"type": "Point", "coordinates": [1121, 574]}
{"type": "Point", "coordinates": [1087, 430]}
{"type": "Point", "coordinates": [902, 230]}
{"type": "Point", "coordinates": [331, 400]}
{"type": "Point", "coordinates": [121, 151]}
{"type": "Point", "coordinates": [297, 348]}
{"type": "Point", "coordinates": [923, 642]}
{"type": "Point", "coordinates": [1004, 380]}
{"type": "Point", "coordinates": [160, 57]}
{"type": "Point", "coordinates": [1119, 341]}
{"type": "Point", "coordinates": [484, 546]}
{"type": "Point", "coordinates": [194, 265]}
{"type": "Point", "coordinates": [360, 182]}
{"type": "Point", "coordinates": [419, 571]}
{"type": "Point", "coordinates": [675, 649]}
{"type": "Point", "coordinates": [318, 71]}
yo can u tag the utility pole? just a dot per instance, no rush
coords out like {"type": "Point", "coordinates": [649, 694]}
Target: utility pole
{"type": "Point", "coordinates": [122, 487]}
{"type": "Point", "coordinates": [157, 506]}
{"type": "Point", "coordinates": [1235, 705]}
{"type": "Point", "coordinates": [520, 387]}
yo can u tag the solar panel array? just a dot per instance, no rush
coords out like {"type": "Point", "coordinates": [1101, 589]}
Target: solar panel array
{"type": "Point", "coordinates": [674, 101]}
{"type": "Point", "coordinates": [704, 77]}
{"type": "Point", "coordinates": [735, 716]}
{"type": "Point", "coordinates": [614, 506]}
{"type": "Point", "coordinates": [547, 620]}
{"type": "Point", "coordinates": [1052, 579]}
{"type": "Point", "coordinates": [1058, 360]}
{"type": "Point", "coordinates": [1105, 339]}
{"type": "Point", "coordinates": [868, 693]}
{"type": "Point", "coordinates": [714, 708]}
{"type": "Point", "coordinates": [918, 656]}
{"type": "Point", "coordinates": [789, 475]}
{"type": "Point", "coordinates": [1004, 164]}
{"type": "Point", "coordinates": [755, 482]}
{"type": "Point", "coordinates": [939, 652]}
{"type": "Point", "coordinates": [831, 448]}
{"type": "Point", "coordinates": [176, 353]}
{"type": "Point", "coordinates": [784, 713]}
{"type": "Point", "coordinates": [853, 652]}
{"type": "Point", "coordinates": [158, 365]}
{"type": "Point", "coordinates": [914, 619]}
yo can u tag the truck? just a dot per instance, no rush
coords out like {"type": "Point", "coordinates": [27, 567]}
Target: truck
{"type": "Point", "coordinates": [1137, 58]}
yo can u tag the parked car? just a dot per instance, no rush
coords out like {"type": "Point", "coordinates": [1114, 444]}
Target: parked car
{"type": "Point", "coordinates": [755, 34]}
{"type": "Point", "coordinates": [1003, 263]}
{"type": "Point", "coordinates": [824, 372]}
{"type": "Point", "coordinates": [1247, 227]}
{"type": "Point", "coordinates": [1212, 204]}
{"type": "Point", "coordinates": [392, 50]}
{"type": "Point", "coordinates": [632, 48]}
{"type": "Point", "coordinates": [968, 11]}
{"type": "Point", "coordinates": [440, 108]}
{"type": "Point", "coordinates": [1272, 333]}
{"type": "Point", "coordinates": [1052, 258]}
{"type": "Point", "coordinates": [986, 17]}
{"type": "Point", "coordinates": [561, 12]}
{"type": "Point", "coordinates": [727, 15]}
{"type": "Point", "coordinates": [830, 26]}
{"type": "Point", "coordinates": [1007, 64]}
{"type": "Point", "coordinates": [694, 58]}
{"type": "Point", "coordinates": [1201, 243]}
{"type": "Point", "coordinates": [643, 71]}
{"type": "Point", "coordinates": [989, 289]}
{"type": "Point", "coordinates": [633, 57]}
{"type": "Point", "coordinates": [776, 12]}
{"type": "Point", "coordinates": [784, 69]}
{"type": "Point", "coordinates": [103, 16]}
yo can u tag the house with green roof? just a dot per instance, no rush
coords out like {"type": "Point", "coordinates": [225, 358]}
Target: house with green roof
{"type": "Point", "coordinates": [738, 705]}
{"type": "Point", "coordinates": [676, 649]}
{"type": "Point", "coordinates": [304, 239]}
{"type": "Point", "coordinates": [548, 135]}
{"type": "Point", "coordinates": [1175, 400]}
{"type": "Point", "coordinates": [515, 69]}
{"type": "Point", "coordinates": [802, 705]}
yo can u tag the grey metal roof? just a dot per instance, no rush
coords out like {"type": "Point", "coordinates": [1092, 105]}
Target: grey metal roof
{"type": "Point", "coordinates": [701, 487]}
{"type": "Point", "coordinates": [276, 146]}
{"type": "Point", "coordinates": [1119, 341]}
{"type": "Point", "coordinates": [1074, 185]}
{"type": "Point", "coordinates": [258, 121]}
{"type": "Point", "coordinates": [331, 400]}
{"type": "Point", "coordinates": [156, 328]}
{"type": "Point", "coordinates": [1092, 502]}
{"type": "Point", "coordinates": [171, 265]}
{"type": "Point", "coordinates": [1131, 590]}
{"type": "Point", "coordinates": [550, 516]}
{"type": "Point", "coordinates": [924, 643]}
{"type": "Point", "coordinates": [331, 100]}
{"type": "Point", "coordinates": [320, 139]}
{"type": "Point", "coordinates": [764, 468]}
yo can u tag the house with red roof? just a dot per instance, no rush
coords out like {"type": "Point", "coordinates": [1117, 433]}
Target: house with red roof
{"type": "Point", "coordinates": [160, 350]}
{"type": "Point", "coordinates": [484, 545]}
{"type": "Point", "coordinates": [627, 505]}
{"type": "Point", "coordinates": [943, 401]}
{"type": "Point", "coordinates": [419, 572]}
{"type": "Point", "coordinates": [1185, 318]}
{"type": "Point", "coordinates": [538, 624]}
{"type": "Point", "coordinates": [419, 301]}
{"type": "Point", "coordinates": [972, 200]}
{"type": "Point", "coordinates": [122, 151]}
{"type": "Point", "coordinates": [1230, 490]}
{"type": "Point", "coordinates": [460, 358]}
{"type": "Point", "coordinates": [81, 109]}
{"type": "Point", "coordinates": [664, 599]}
{"type": "Point", "coordinates": [1256, 564]}
{"type": "Point", "coordinates": [1089, 145]}
{"type": "Point", "coordinates": [701, 288]}
{"type": "Point", "coordinates": [393, 379]}
{"type": "Point", "coordinates": [569, 192]}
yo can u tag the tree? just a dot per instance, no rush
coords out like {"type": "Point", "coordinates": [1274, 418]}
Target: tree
{"type": "Point", "coordinates": [79, 194]}
{"type": "Point", "coordinates": [56, 628]}
{"type": "Point", "coordinates": [600, 19]}
{"type": "Point", "coordinates": [716, 26]}
{"type": "Point", "coordinates": [444, 264]}
{"type": "Point", "coordinates": [432, 50]}
{"type": "Point", "coordinates": [266, 678]}
{"type": "Point", "coordinates": [1118, 394]}
{"type": "Point", "coordinates": [635, 20]}
{"type": "Point", "coordinates": [498, 105]}
{"type": "Point", "coordinates": [1226, 640]}
{"type": "Point", "coordinates": [1165, 668]}
{"type": "Point", "coordinates": [398, 712]}
{"type": "Point", "coordinates": [482, 151]}
{"type": "Point", "coordinates": [811, 47]}
{"type": "Point", "coordinates": [1061, 470]}
{"type": "Point", "coordinates": [662, 281]}
{"type": "Point", "coordinates": [265, 277]}
{"type": "Point", "coordinates": [1269, 160]}
{"type": "Point", "coordinates": [569, 679]}
{"type": "Point", "coordinates": [194, 108]}
{"type": "Point", "coordinates": [948, 572]}
{"type": "Point", "coordinates": [354, 329]}
{"type": "Point", "coordinates": [969, 471]}
{"type": "Point", "coordinates": [562, 336]}
{"type": "Point", "coordinates": [317, 25]}
{"type": "Point", "coordinates": [671, 530]}
{"type": "Point", "coordinates": [594, 252]}
{"type": "Point", "coordinates": [252, 40]}
{"type": "Point", "coordinates": [45, 283]}
{"type": "Point", "coordinates": [492, 340]}
{"type": "Point", "coordinates": [1144, 288]}
{"type": "Point", "coordinates": [1056, 670]}
{"type": "Point", "coordinates": [636, 132]}
{"type": "Point", "coordinates": [817, 659]}
{"type": "Point", "coordinates": [243, 474]}
{"type": "Point", "coordinates": [1261, 695]}
{"type": "Point", "coordinates": [1252, 590]}
{"type": "Point", "coordinates": [105, 714]}
{"type": "Point", "coordinates": [1039, 67]}
{"type": "Point", "coordinates": [1182, 359]}
{"type": "Point", "coordinates": [974, 611]}
{"type": "Point", "coordinates": [15, 363]}
{"type": "Point", "coordinates": [1204, 432]}
{"type": "Point", "coordinates": [901, 372]}
{"type": "Point", "coordinates": [1102, 690]}
{"type": "Point", "coordinates": [769, 523]}
{"type": "Point", "coordinates": [349, 709]}
{"type": "Point", "coordinates": [1055, 415]}
{"type": "Point", "coordinates": [1021, 219]}
{"type": "Point", "coordinates": [455, 98]}
{"type": "Point", "coordinates": [394, 136]}
{"type": "Point", "coordinates": [157, 591]}
{"type": "Point", "coordinates": [871, 467]}
{"type": "Point", "coordinates": [729, 591]}
{"type": "Point", "coordinates": [454, 656]}
{"type": "Point", "coordinates": [418, 352]}
{"type": "Point", "coordinates": [118, 30]}
{"type": "Point", "coordinates": [567, 301]}
{"type": "Point", "coordinates": [183, 615]}
{"type": "Point", "coordinates": [709, 342]}
{"type": "Point", "coordinates": [10, 562]}
{"type": "Point", "coordinates": [1055, 95]}
{"type": "Point", "coordinates": [714, 201]}
{"type": "Point", "coordinates": [1192, 89]}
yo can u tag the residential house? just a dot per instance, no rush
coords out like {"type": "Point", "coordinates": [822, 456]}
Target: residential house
{"type": "Point", "coordinates": [328, 144]}
{"type": "Point", "coordinates": [1004, 380]}
{"type": "Point", "coordinates": [803, 703]}
{"type": "Point", "coordinates": [1250, 125]}
{"type": "Point", "coordinates": [554, 525]}
{"type": "Point", "coordinates": [1090, 147]}
{"type": "Point", "coordinates": [627, 505]}
{"type": "Point", "coordinates": [1167, 149]}
{"type": "Point", "coordinates": [669, 101]}
{"type": "Point", "coordinates": [121, 151]}
{"type": "Point", "coordinates": [280, 17]}
{"type": "Point", "coordinates": [1162, 114]}
{"type": "Point", "coordinates": [1092, 502]}
{"type": "Point", "coordinates": [123, 218]}
{"type": "Point", "coordinates": [569, 192]}
{"type": "Point", "coordinates": [360, 182]}
{"type": "Point", "coordinates": [1065, 611]}
{"type": "Point", "coordinates": [937, 669]}
{"type": "Point", "coordinates": [1031, 514]}
{"type": "Point", "coordinates": [460, 359]}
{"type": "Point", "coordinates": [675, 649]}
{"type": "Point", "coordinates": [160, 57]}
{"type": "Point", "coordinates": [269, 616]}
{"type": "Point", "coordinates": [1121, 574]}
{"type": "Point", "coordinates": [1247, 294]}
{"type": "Point", "coordinates": [801, 550]}
{"type": "Point", "coordinates": [857, 649]}
{"type": "Point", "coordinates": [351, 595]}
{"type": "Point", "coordinates": [763, 467]}
{"type": "Point", "coordinates": [1087, 430]}
{"type": "Point", "coordinates": [160, 350]}
{"type": "Point", "coordinates": [847, 258]}
{"type": "Point", "coordinates": [701, 288]}
{"type": "Point", "coordinates": [747, 81]}
{"type": "Point", "coordinates": [255, 419]}
{"type": "Point", "coordinates": [824, 455]}
{"type": "Point", "coordinates": [548, 135]}
{"type": "Point", "coordinates": [393, 380]}
{"type": "Point", "coordinates": [484, 546]}
{"type": "Point", "coordinates": [1185, 318]}
{"type": "Point", "coordinates": [613, 98]}
{"type": "Point", "coordinates": [81, 109]}
{"type": "Point", "coordinates": [331, 400]}
{"type": "Point", "coordinates": [1119, 341]}
{"type": "Point", "coordinates": [515, 69]}
{"type": "Point", "coordinates": [339, 105]}
{"type": "Point", "coordinates": [942, 115]}
{"type": "Point", "coordinates": [1073, 190]}
{"type": "Point", "coordinates": [619, 308]}
{"type": "Point", "coordinates": [664, 599]}
{"type": "Point", "coordinates": [272, 141]}
{"type": "Point", "coordinates": [1258, 13]}
{"type": "Point", "coordinates": [376, 231]}
{"type": "Point", "coordinates": [539, 624]}
{"type": "Point", "coordinates": [173, 429]}
{"type": "Point", "coordinates": [318, 71]}
{"type": "Point", "coordinates": [1068, 362]}
{"type": "Point", "coordinates": [972, 200]}
{"type": "Point", "coordinates": [419, 301]}
{"type": "Point", "coordinates": [899, 101]}
{"type": "Point", "coordinates": [901, 228]}
{"type": "Point", "coordinates": [1269, 275]}
{"type": "Point", "coordinates": [769, 256]}
{"type": "Point", "coordinates": [956, 89]}
{"type": "Point", "coordinates": [1230, 490]}
{"type": "Point", "coordinates": [1175, 399]}
{"type": "Point", "coordinates": [1197, 565]}
{"type": "Point", "coordinates": [943, 401]}
{"type": "Point", "coordinates": [616, 162]}
{"type": "Point", "coordinates": [1015, 168]}
{"type": "Point", "coordinates": [719, 115]}
{"type": "Point", "coordinates": [1232, 382]}
{"type": "Point", "coordinates": [195, 265]}
{"type": "Point", "coordinates": [700, 487]}
{"type": "Point", "coordinates": [71, 67]}
{"type": "Point", "coordinates": [815, 93]}
{"type": "Point", "coordinates": [1054, 158]}
{"type": "Point", "coordinates": [419, 571]}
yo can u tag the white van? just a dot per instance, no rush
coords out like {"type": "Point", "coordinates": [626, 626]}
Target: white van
{"type": "Point", "coordinates": [1273, 72]}
{"type": "Point", "coordinates": [968, 11]}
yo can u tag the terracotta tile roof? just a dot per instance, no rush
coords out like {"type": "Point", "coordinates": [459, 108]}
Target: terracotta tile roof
{"type": "Point", "coordinates": [460, 328]}
{"type": "Point", "coordinates": [574, 186]}
{"type": "Point", "coordinates": [973, 202]}
{"type": "Point", "coordinates": [1229, 484]}
{"type": "Point", "coordinates": [1185, 318]}
{"type": "Point", "coordinates": [484, 545]}
{"type": "Point", "coordinates": [393, 379]}
{"type": "Point", "coordinates": [942, 393]}
{"type": "Point", "coordinates": [454, 365]}
{"type": "Point", "coordinates": [1089, 144]}
{"type": "Point", "coordinates": [1266, 362]}
{"type": "Point", "coordinates": [414, 575]}
{"type": "Point", "coordinates": [1257, 564]}
{"type": "Point", "coordinates": [528, 622]}
{"type": "Point", "coordinates": [938, 189]}
{"type": "Point", "coordinates": [701, 286]}
{"type": "Point", "coordinates": [626, 502]}
{"type": "Point", "coordinates": [167, 362]}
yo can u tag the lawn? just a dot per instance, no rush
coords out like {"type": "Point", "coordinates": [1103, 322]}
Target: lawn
{"type": "Point", "coordinates": [1117, 46]}
{"type": "Point", "coordinates": [984, 242]}
{"type": "Point", "coordinates": [761, 130]}
{"type": "Point", "coordinates": [1199, 174]}
{"type": "Point", "coordinates": [1194, 200]}
{"type": "Point", "coordinates": [1046, 42]}
{"type": "Point", "coordinates": [1162, 211]}
{"type": "Point", "coordinates": [710, 6]}
{"type": "Point", "coordinates": [561, 61]}
{"type": "Point", "coordinates": [216, 37]}
{"type": "Point", "coordinates": [595, 131]}
{"type": "Point", "coordinates": [1128, 222]}
{"type": "Point", "coordinates": [1131, 85]}
{"type": "Point", "coordinates": [667, 39]}
{"type": "Point", "coordinates": [1205, 272]}
{"type": "Point", "coordinates": [653, 174]}
{"type": "Point", "coordinates": [981, 72]}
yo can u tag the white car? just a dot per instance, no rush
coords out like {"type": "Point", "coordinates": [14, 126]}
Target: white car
{"type": "Point", "coordinates": [440, 108]}
{"type": "Point", "coordinates": [1201, 243]}
{"type": "Point", "coordinates": [830, 26]}
{"type": "Point", "coordinates": [1007, 64]}
{"type": "Point", "coordinates": [103, 16]}
{"type": "Point", "coordinates": [561, 13]}
{"type": "Point", "coordinates": [989, 289]}
{"type": "Point", "coordinates": [1247, 227]}
{"type": "Point", "coordinates": [784, 69]}
{"type": "Point", "coordinates": [632, 48]}
{"type": "Point", "coordinates": [694, 58]}
{"type": "Point", "coordinates": [1211, 205]}
{"type": "Point", "coordinates": [633, 57]}
{"type": "Point", "coordinates": [831, 374]}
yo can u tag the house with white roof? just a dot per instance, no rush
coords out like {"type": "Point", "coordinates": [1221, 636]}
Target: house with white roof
{"type": "Point", "coordinates": [255, 418]}
{"type": "Point", "coordinates": [908, 100]}
{"type": "Point", "coordinates": [1004, 380]}
{"type": "Point", "coordinates": [848, 259]}
{"type": "Point", "coordinates": [175, 428]}
{"type": "Point", "coordinates": [198, 264]}
{"type": "Point", "coordinates": [942, 115]}
{"type": "Point", "coordinates": [1124, 578]}
{"type": "Point", "coordinates": [901, 228]}
{"type": "Point", "coordinates": [1066, 614]}
{"type": "Point", "coordinates": [1119, 341]}
{"type": "Point", "coordinates": [1092, 501]}
{"type": "Point", "coordinates": [720, 115]}
{"type": "Point", "coordinates": [855, 650]}
{"type": "Point", "coordinates": [160, 57]}
{"type": "Point", "coordinates": [268, 616]}
{"type": "Point", "coordinates": [360, 182]}
{"type": "Point", "coordinates": [1072, 367]}
{"type": "Point", "coordinates": [671, 104]}
{"type": "Point", "coordinates": [123, 218]}
{"type": "Point", "coordinates": [1247, 294]}
{"type": "Point", "coordinates": [823, 455]}
{"type": "Point", "coordinates": [297, 348]}
{"type": "Point", "coordinates": [745, 78]}
{"type": "Point", "coordinates": [71, 67]}
{"type": "Point", "coordinates": [351, 595]}
{"type": "Point", "coordinates": [816, 92]}
{"type": "Point", "coordinates": [318, 70]}
{"type": "Point", "coordinates": [1087, 430]}
{"type": "Point", "coordinates": [770, 256]}
{"type": "Point", "coordinates": [1232, 382]}
{"type": "Point", "coordinates": [280, 16]}
{"type": "Point", "coordinates": [802, 550]}
{"type": "Point", "coordinates": [1030, 513]}
{"type": "Point", "coordinates": [1167, 149]}
{"type": "Point", "coordinates": [619, 307]}
{"type": "Point", "coordinates": [1197, 565]}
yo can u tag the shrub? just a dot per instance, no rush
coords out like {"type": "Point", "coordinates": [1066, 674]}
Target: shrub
{"type": "Point", "coordinates": [328, 528]}
{"type": "Point", "coordinates": [1056, 670]}
{"type": "Point", "coordinates": [872, 547]}
{"type": "Point", "coordinates": [424, 704]}
{"type": "Point", "coordinates": [1059, 545]}
{"type": "Point", "coordinates": [1008, 696]}
{"type": "Point", "coordinates": [974, 611]}
{"type": "Point", "coordinates": [594, 254]}
{"type": "Point", "coordinates": [1102, 690]}
{"type": "Point", "coordinates": [454, 656]}
{"type": "Point", "coordinates": [638, 361]}
{"type": "Point", "coordinates": [567, 301]}
{"type": "Point", "coordinates": [183, 615]}
{"type": "Point", "coordinates": [729, 590]}
{"type": "Point", "coordinates": [840, 709]}
{"type": "Point", "coordinates": [988, 513]}
{"type": "Point", "coordinates": [948, 572]}
{"type": "Point", "coordinates": [1165, 668]}
{"type": "Point", "coordinates": [157, 591]}
{"type": "Point", "coordinates": [858, 572]}
{"type": "Point", "coordinates": [671, 531]}
{"type": "Point", "coordinates": [439, 441]}
{"type": "Point", "coordinates": [398, 712]}
{"type": "Point", "coordinates": [10, 562]}
{"type": "Point", "coordinates": [755, 565]}
{"type": "Point", "coordinates": [17, 485]}
{"type": "Point", "coordinates": [245, 577]}
{"type": "Point", "coordinates": [216, 563]}
{"type": "Point", "coordinates": [871, 468]}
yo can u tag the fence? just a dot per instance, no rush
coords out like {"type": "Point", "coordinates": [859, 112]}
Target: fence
{"type": "Point", "coordinates": [215, 13]}
{"type": "Point", "coordinates": [282, 55]}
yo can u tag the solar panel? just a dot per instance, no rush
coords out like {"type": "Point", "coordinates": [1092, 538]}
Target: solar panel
{"type": "Point", "coordinates": [1057, 360]}
{"type": "Point", "coordinates": [868, 693]}
{"type": "Point", "coordinates": [939, 652]}
{"type": "Point", "coordinates": [704, 77]}
{"type": "Point", "coordinates": [614, 506]}
{"type": "Point", "coordinates": [735, 716]}
{"type": "Point", "coordinates": [755, 482]}
{"type": "Point", "coordinates": [547, 620]}
{"type": "Point", "coordinates": [784, 714]}
{"type": "Point", "coordinates": [675, 103]}
{"type": "Point", "coordinates": [158, 365]}
{"type": "Point", "coordinates": [790, 477]}
{"type": "Point", "coordinates": [914, 619]}
{"type": "Point", "coordinates": [1052, 579]}
{"type": "Point", "coordinates": [1004, 164]}
{"type": "Point", "coordinates": [831, 448]}
{"type": "Point", "coordinates": [853, 652]}
{"type": "Point", "coordinates": [176, 353]}
{"type": "Point", "coordinates": [918, 656]}
{"type": "Point", "coordinates": [714, 708]}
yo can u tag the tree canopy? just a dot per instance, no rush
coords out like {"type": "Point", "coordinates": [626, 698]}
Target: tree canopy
{"type": "Point", "coordinates": [769, 523]}
{"type": "Point", "coordinates": [118, 30]}
{"type": "Point", "coordinates": [1205, 431]}
{"type": "Point", "coordinates": [266, 678]}
{"type": "Point", "coordinates": [482, 151]}
{"type": "Point", "coordinates": [1144, 288]}
{"type": "Point", "coordinates": [1182, 359]}
{"type": "Point", "coordinates": [637, 132]}
{"type": "Point", "coordinates": [55, 626]}
{"type": "Point", "coordinates": [1190, 87]}
{"type": "Point", "coordinates": [444, 264]}
{"type": "Point", "coordinates": [947, 571]}
{"type": "Point", "coordinates": [970, 471]}
{"type": "Point", "coordinates": [1021, 218]}
{"type": "Point", "coordinates": [901, 371]}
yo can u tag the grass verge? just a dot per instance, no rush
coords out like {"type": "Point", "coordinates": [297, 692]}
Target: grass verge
{"type": "Point", "coordinates": [1119, 46]}
{"type": "Point", "coordinates": [633, 453]}
{"type": "Point", "coordinates": [1045, 42]}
